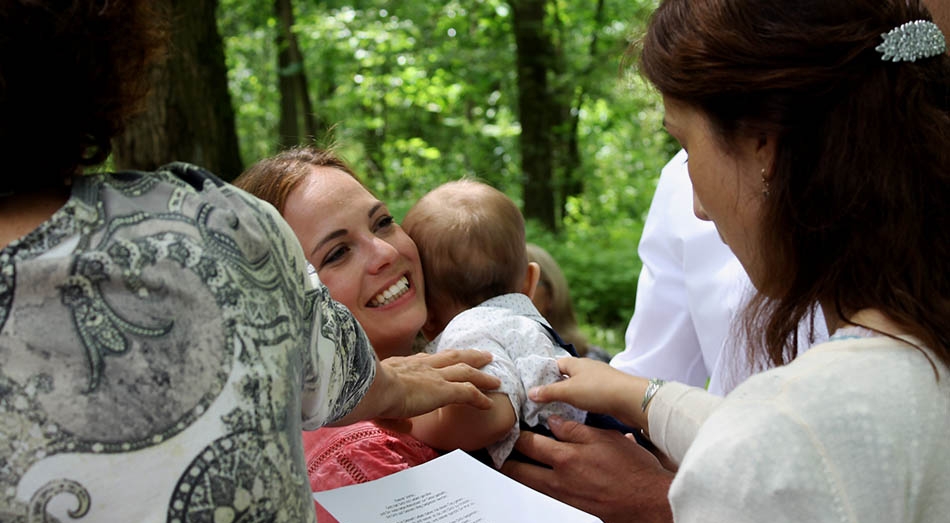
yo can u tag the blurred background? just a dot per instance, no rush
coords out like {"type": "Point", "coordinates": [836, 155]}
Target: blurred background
{"type": "Point", "coordinates": [531, 96]}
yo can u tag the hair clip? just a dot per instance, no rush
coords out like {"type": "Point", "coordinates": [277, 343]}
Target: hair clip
{"type": "Point", "coordinates": [913, 40]}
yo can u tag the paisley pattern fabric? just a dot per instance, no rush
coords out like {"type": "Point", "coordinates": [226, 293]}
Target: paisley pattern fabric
{"type": "Point", "coordinates": [161, 347]}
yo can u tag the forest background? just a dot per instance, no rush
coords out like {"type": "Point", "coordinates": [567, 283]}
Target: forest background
{"type": "Point", "coordinates": [530, 96]}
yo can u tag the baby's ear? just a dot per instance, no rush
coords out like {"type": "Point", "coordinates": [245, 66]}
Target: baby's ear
{"type": "Point", "coordinates": [531, 279]}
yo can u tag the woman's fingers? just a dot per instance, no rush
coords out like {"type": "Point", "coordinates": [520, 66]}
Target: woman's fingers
{"type": "Point", "coordinates": [461, 366]}
{"type": "Point", "coordinates": [447, 358]}
{"type": "Point", "coordinates": [597, 387]}
{"type": "Point", "coordinates": [558, 391]}
{"type": "Point", "coordinates": [461, 372]}
{"type": "Point", "coordinates": [585, 383]}
{"type": "Point", "coordinates": [568, 366]}
{"type": "Point", "coordinates": [468, 394]}
{"type": "Point", "coordinates": [425, 382]}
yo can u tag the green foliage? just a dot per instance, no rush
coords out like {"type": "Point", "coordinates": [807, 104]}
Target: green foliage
{"type": "Point", "coordinates": [421, 92]}
{"type": "Point", "coordinates": [601, 266]}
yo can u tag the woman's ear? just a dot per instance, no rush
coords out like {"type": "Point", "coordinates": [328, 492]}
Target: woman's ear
{"type": "Point", "coordinates": [765, 154]}
{"type": "Point", "coordinates": [531, 279]}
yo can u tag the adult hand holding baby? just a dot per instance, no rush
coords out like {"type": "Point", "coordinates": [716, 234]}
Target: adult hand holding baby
{"type": "Point", "coordinates": [407, 386]}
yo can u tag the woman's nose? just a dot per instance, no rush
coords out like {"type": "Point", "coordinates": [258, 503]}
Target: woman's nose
{"type": "Point", "coordinates": [382, 254]}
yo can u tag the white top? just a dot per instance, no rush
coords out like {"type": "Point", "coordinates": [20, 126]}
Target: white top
{"type": "Point", "coordinates": [690, 288]}
{"type": "Point", "coordinates": [854, 430]}
{"type": "Point", "coordinates": [510, 327]}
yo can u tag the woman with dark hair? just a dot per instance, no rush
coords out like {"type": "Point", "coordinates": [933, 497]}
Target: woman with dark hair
{"type": "Point", "coordinates": [161, 343]}
{"type": "Point", "coordinates": [818, 136]}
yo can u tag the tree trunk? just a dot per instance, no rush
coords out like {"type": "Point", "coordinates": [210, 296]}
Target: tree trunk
{"type": "Point", "coordinates": [188, 116]}
{"type": "Point", "coordinates": [298, 123]}
{"type": "Point", "coordinates": [534, 50]}
{"type": "Point", "coordinates": [572, 183]}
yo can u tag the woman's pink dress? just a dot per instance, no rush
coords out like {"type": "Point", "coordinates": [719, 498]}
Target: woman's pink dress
{"type": "Point", "coordinates": [341, 456]}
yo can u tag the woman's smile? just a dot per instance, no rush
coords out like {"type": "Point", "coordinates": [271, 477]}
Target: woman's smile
{"type": "Point", "coordinates": [368, 263]}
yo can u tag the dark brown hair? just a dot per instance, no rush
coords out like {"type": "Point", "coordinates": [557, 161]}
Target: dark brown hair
{"type": "Point", "coordinates": [71, 73]}
{"type": "Point", "coordinates": [856, 215]}
{"type": "Point", "coordinates": [272, 179]}
{"type": "Point", "coordinates": [472, 243]}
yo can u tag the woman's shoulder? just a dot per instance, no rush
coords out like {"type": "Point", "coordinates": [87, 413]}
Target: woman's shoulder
{"type": "Point", "coordinates": [854, 382]}
{"type": "Point", "coordinates": [171, 187]}
{"type": "Point", "coordinates": [842, 387]}
{"type": "Point", "coordinates": [853, 367]}
{"type": "Point", "coordinates": [184, 199]}
{"type": "Point", "coordinates": [848, 419]}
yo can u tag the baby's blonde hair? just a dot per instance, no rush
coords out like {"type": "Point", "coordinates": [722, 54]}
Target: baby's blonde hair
{"type": "Point", "coordinates": [471, 240]}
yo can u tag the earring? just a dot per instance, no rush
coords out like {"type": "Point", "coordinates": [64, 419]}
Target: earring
{"type": "Point", "coordinates": [765, 184]}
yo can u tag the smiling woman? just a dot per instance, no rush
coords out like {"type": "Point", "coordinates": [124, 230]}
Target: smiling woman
{"type": "Point", "coordinates": [361, 254]}
{"type": "Point", "coordinates": [370, 265]}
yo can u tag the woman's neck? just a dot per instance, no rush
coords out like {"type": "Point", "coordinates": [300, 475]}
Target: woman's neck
{"type": "Point", "coordinates": [870, 318]}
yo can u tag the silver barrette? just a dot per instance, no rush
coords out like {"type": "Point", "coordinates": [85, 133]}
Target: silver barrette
{"type": "Point", "coordinates": [913, 40]}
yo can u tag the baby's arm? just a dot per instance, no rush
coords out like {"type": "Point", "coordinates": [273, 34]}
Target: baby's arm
{"type": "Point", "coordinates": [463, 427]}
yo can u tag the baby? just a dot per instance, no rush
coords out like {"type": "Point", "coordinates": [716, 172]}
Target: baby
{"type": "Point", "coordinates": [471, 239]}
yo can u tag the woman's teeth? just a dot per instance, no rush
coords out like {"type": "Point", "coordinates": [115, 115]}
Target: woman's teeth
{"type": "Point", "coordinates": [391, 294]}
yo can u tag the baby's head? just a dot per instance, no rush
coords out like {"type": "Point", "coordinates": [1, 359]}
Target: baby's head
{"type": "Point", "coordinates": [472, 243]}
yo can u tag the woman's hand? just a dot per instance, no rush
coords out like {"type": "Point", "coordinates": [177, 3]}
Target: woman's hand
{"type": "Point", "coordinates": [425, 382]}
{"type": "Point", "coordinates": [598, 471]}
{"type": "Point", "coordinates": [407, 386]}
{"type": "Point", "coordinates": [597, 387]}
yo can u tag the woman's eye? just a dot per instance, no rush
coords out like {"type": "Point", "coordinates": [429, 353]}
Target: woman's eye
{"type": "Point", "coordinates": [335, 255]}
{"type": "Point", "coordinates": [384, 222]}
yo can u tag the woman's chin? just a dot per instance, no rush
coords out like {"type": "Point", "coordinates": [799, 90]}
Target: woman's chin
{"type": "Point", "coordinates": [396, 336]}
{"type": "Point", "coordinates": [392, 328]}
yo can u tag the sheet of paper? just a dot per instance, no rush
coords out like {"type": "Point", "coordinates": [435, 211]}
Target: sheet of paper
{"type": "Point", "coordinates": [454, 488]}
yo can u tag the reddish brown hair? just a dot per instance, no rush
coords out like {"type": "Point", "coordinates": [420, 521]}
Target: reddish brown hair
{"type": "Point", "coordinates": [856, 215]}
{"type": "Point", "coordinates": [272, 179]}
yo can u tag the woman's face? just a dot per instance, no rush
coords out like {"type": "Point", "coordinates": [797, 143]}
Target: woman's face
{"type": "Point", "coordinates": [365, 259]}
{"type": "Point", "coordinates": [727, 188]}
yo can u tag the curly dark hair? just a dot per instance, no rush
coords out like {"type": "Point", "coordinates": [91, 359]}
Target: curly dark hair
{"type": "Point", "coordinates": [856, 215]}
{"type": "Point", "coordinates": [71, 73]}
